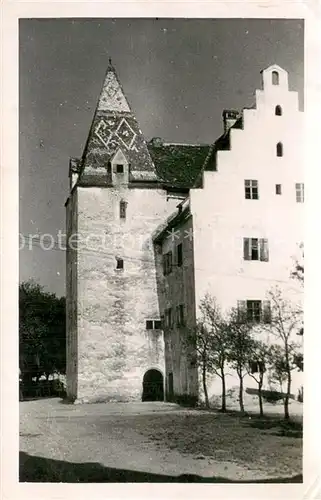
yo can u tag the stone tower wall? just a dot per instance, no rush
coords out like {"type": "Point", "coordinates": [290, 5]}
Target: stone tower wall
{"type": "Point", "coordinates": [114, 347]}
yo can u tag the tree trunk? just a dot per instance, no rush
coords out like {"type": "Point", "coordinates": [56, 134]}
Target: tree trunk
{"type": "Point", "coordinates": [287, 397]}
{"type": "Point", "coordinates": [207, 403]}
{"type": "Point", "coordinates": [223, 408]}
{"type": "Point", "coordinates": [241, 392]}
{"type": "Point", "coordinates": [260, 399]}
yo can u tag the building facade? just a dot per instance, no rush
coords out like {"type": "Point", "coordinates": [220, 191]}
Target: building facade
{"type": "Point", "coordinates": [153, 227]}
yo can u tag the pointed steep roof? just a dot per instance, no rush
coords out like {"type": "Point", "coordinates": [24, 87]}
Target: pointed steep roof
{"type": "Point", "coordinates": [114, 127]}
{"type": "Point", "coordinates": [112, 97]}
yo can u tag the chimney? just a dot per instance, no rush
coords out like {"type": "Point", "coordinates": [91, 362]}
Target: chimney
{"type": "Point", "coordinates": [230, 116]}
{"type": "Point", "coordinates": [157, 142]}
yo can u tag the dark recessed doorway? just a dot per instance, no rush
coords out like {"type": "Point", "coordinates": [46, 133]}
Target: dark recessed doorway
{"type": "Point", "coordinates": [153, 386]}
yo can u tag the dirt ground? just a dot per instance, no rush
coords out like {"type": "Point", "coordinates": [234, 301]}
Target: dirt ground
{"type": "Point", "coordinates": [154, 442]}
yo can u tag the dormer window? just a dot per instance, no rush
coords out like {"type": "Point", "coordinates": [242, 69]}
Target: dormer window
{"type": "Point", "coordinates": [275, 78]}
{"type": "Point", "coordinates": [278, 110]}
{"type": "Point", "coordinates": [119, 168]}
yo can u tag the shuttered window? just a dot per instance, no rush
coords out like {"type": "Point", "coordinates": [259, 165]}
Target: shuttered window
{"type": "Point", "coordinates": [180, 315]}
{"type": "Point", "coordinates": [256, 249]}
{"type": "Point", "coordinates": [167, 263]}
{"type": "Point", "coordinates": [168, 318]}
{"type": "Point", "coordinates": [255, 311]}
{"type": "Point", "coordinates": [266, 309]}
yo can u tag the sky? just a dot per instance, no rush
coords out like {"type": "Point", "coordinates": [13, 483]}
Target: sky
{"type": "Point", "coordinates": [178, 76]}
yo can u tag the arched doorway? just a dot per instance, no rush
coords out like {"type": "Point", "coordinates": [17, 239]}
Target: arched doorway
{"type": "Point", "coordinates": [153, 386]}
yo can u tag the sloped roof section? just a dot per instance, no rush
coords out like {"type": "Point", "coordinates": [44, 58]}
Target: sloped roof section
{"type": "Point", "coordinates": [178, 165]}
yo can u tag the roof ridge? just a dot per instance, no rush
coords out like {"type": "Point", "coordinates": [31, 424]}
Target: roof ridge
{"type": "Point", "coordinates": [184, 144]}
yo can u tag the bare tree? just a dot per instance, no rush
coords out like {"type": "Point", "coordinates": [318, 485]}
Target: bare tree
{"type": "Point", "coordinates": [261, 353]}
{"type": "Point", "coordinates": [208, 342]}
{"type": "Point", "coordinates": [219, 331]}
{"type": "Point", "coordinates": [240, 348]}
{"type": "Point", "coordinates": [200, 340]}
{"type": "Point", "coordinates": [286, 321]}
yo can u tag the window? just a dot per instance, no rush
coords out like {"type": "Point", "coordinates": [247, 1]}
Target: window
{"type": "Point", "coordinates": [119, 169]}
{"type": "Point", "coordinates": [251, 189]}
{"type": "Point", "coordinates": [278, 110]}
{"type": "Point", "coordinates": [122, 209]}
{"type": "Point", "coordinates": [168, 318]}
{"type": "Point", "coordinates": [257, 367]}
{"type": "Point", "coordinates": [255, 311]}
{"type": "Point", "coordinates": [153, 324]}
{"type": "Point", "coordinates": [167, 263]}
{"type": "Point", "coordinates": [180, 315]}
{"type": "Point", "coordinates": [256, 249]}
{"type": "Point", "coordinates": [279, 149]}
{"type": "Point", "coordinates": [119, 263]}
{"type": "Point", "coordinates": [254, 367]}
{"type": "Point", "coordinates": [275, 78]}
{"type": "Point", "coordinates": [179, 250]}
{"type": "Point", "coordinates": [278, 189]}
{"type": "Point", "coordinates": [299, 191]}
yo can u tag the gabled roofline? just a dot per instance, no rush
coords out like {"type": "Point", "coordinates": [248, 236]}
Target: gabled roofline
{"type": "Point", "coordinates": [273, 66]}
{"type": "Point", "coordinates": [181, 215]}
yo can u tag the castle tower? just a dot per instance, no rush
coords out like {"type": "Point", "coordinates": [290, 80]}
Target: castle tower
{"type": "Point", "coordinates": [114, 336]}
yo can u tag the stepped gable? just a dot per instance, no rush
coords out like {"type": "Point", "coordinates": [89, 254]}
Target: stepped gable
{"type": "Point", "coordinates": [223, 143]}
{"type": "Point", "coordinates": [114, 128]}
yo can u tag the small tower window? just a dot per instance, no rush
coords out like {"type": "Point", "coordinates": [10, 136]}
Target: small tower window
{"type": "Point", "coordinates": [278, 110]}
{"type": "Point", "coordinates": [122, 209]}
{"type": "Point", "coordinates": [275, 78]}
{"type": "Point", "coordinates": [278, 189]}
{"type": "Point", "coordinates": [119, 168]}
{"type": "Point", "coordinates": [279, 149]}
{"type": "Point", "coordinates": [119, 263]}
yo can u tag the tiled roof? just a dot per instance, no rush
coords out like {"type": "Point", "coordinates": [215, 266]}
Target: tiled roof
{"type": "Point", "coordinates": [178, 165]}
